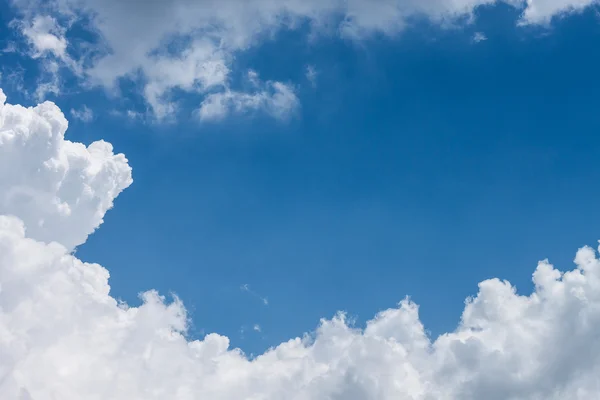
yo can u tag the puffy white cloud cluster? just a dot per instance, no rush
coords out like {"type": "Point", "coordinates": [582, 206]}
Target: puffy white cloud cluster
{"type": "Point", "coordinates": [208, 33]}
{"type": "Point", "coordinates": [60, 189]}
{"type": "Point", "coordinates": [62, 336]}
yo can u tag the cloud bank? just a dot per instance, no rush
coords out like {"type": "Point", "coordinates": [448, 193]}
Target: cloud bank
{"type": "Point", "coordinates": [190, 45]}
{"type": "Point", "coordinates": [62, 336]}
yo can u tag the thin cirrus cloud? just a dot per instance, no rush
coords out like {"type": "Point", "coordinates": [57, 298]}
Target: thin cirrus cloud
{"type": "Point", "coordinates": [246, 288]}
{"type": "Point", "coordinates": [209, 33]}
{"type": "Point", "coordinates": [62, 335]}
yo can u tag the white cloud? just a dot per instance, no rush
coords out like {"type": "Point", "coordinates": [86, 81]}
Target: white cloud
{"type": "Point", "coordinates": [49, 82]}
{"type": "Point", "coordinates": [207, 34]}
{"type": "Point", "coordinates": [541, 11]}
{"type": "Point", "coordinates": [311, 74]}
{"type": "Point", "coordinates": [129, 114]}
{"type": "Point", "coordinates": [246, 288]}
{"type": "Point", "coordinates": [47, 39]}
{"type": "Point", "coordinates": [276, 98]}
{"type": "Point", "coordinates": [479, 37]}
{"type": "Point", "coordinates": [44, 88]}
{"type": "Point", "coordinates": [45, 35]}
{"type": "Point", "coordinates": [198, 68]}
{"type": "Point", "coordinates": [133, 114]}
{"type": "Point", "coordinates": [11, 47]}
{"type": "Point", "coordinates": [62, 336]}
{"type": "Point", "coordinates": [84, 114]}
{"type": "Point", "coordinates": [60, 189]}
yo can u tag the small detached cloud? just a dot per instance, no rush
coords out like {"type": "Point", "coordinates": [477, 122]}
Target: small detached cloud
{"type": "Point", "coordinates": [479, 37]}
{"type": "Point", "coordinates": [84, 114]}
{"type": "Point", "coordinates": [256, 329]}
{"type": "Point", "coordinates": [45, 36]}
{"type": "Point", "coordinates": [311, 75]}
{"type": "Point", "coordinates": [246, 288]}
{"type": "Point", "coordinates": [128, 114]}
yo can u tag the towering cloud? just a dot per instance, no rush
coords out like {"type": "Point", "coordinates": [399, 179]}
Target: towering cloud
{"type": "Point", "coordinates": [62, 336]}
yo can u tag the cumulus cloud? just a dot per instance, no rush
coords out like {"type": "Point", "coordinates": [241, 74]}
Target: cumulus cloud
{"type": "Point", "coordinates": [59, 189]}
{"type": "Point", "coordinates": [62, 335]}
{"type": "Point", "coordinates": [189, 45]}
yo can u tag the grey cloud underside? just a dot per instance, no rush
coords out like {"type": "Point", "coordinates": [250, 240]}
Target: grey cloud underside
{"type": "Point", "coordinates": [62, 336]}
{"type": "Point", "coordinates": [215, 30]}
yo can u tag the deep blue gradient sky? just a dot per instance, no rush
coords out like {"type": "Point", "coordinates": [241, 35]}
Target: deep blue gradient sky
{"type": "Point", "coordinates": [417, 166]}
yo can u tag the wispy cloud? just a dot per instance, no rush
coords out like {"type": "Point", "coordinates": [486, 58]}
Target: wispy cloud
{"type": "Point", "coordinates": [275, 98]}
{"type": "Point", "coordinates": [84, 114]}
{"type": "Point", "coordinates": [246, 288]}
{"type": "Point", "coordinates": [311, 75]}
{"type": "Point", "coordinates": [256, 328]}
{"type": "Point", "coordinates": [479, 37]}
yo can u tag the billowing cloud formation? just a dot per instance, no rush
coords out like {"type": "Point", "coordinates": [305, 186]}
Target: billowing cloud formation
{"type": "Point", "coordinates": [60, 189]}
{"type": "Point", "coordinates": [62, 336]}
{"type": "Point", "coordinates": [189, 44]}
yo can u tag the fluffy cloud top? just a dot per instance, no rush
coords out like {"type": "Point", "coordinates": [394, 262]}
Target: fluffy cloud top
{"type": "Point", "coordinates": [62, 336]}
{"type": "Point", "coordinates": [59, 189]}
{"type": "Point", "coordinates": [189, 45]}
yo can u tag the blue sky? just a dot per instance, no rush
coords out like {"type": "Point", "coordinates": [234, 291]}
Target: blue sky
{"type": "Point", "coordinates": [417, 164]}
